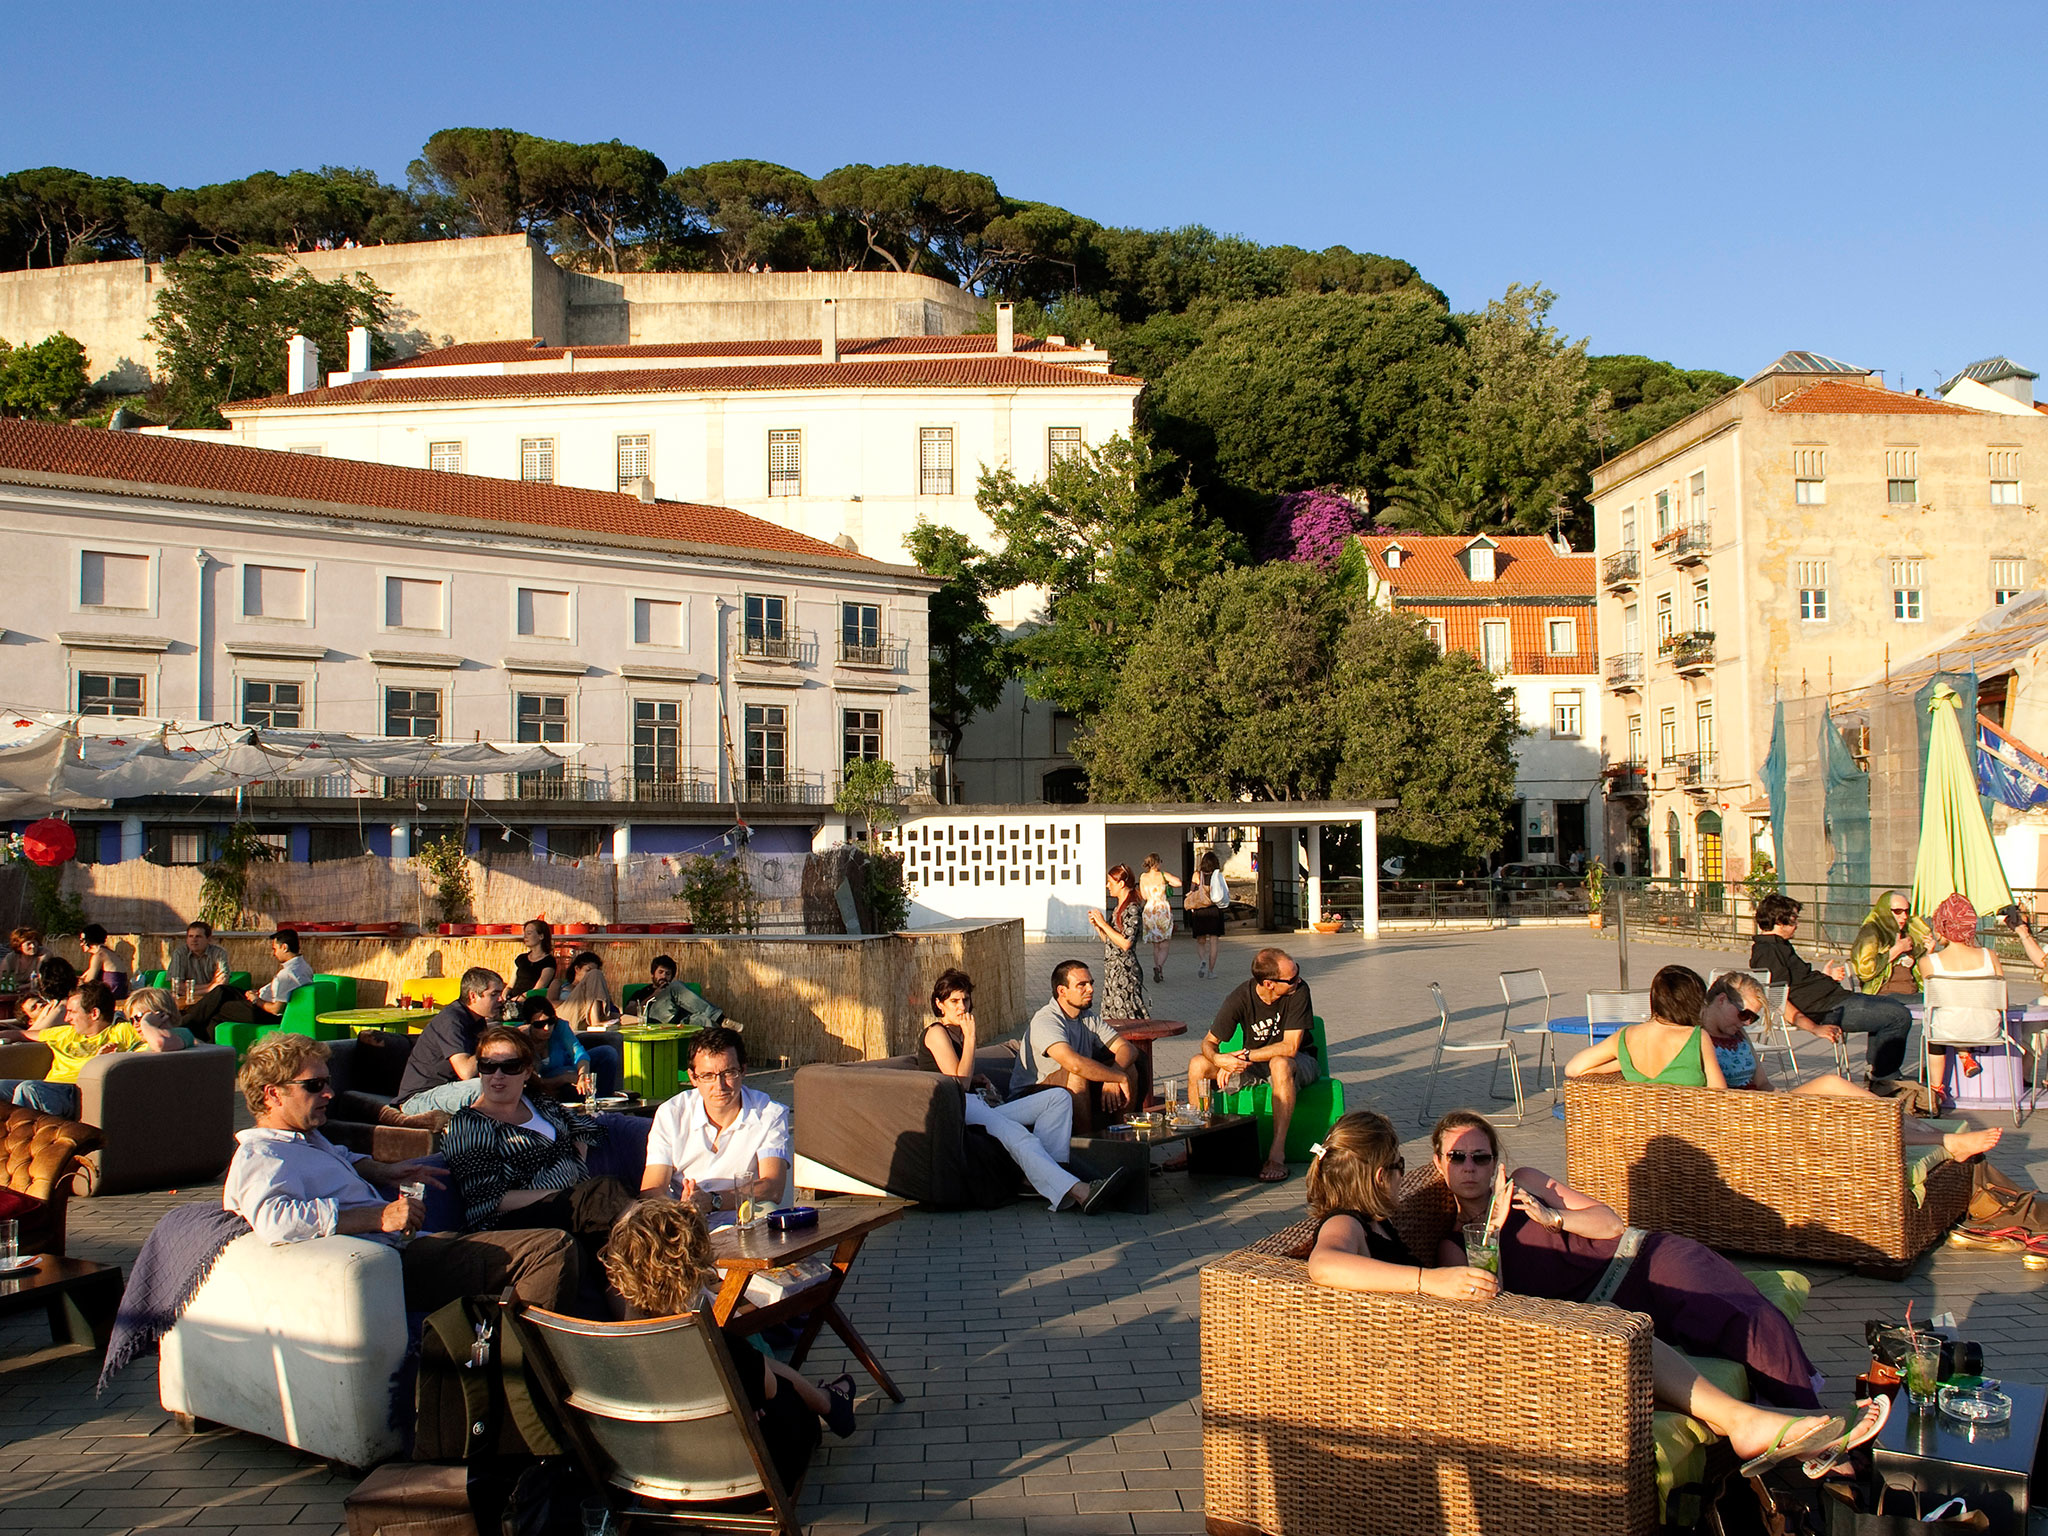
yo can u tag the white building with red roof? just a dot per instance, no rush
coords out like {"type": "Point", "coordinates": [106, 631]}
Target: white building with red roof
{"type": "Point", "coordinates": [1523, 607]}
{"type": "Point", "coordinates": [688, 659]}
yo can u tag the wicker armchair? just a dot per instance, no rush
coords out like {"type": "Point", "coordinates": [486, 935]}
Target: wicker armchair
{"type": "Point", "coordinates": [1777, 1174]}
{"type": "Point", "coordinates": [1343, 1412]}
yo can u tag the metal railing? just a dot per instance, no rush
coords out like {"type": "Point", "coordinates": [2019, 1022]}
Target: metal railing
{"type": "Point", "coordinates": [1628, 779]}
{"type": "Point", "coordinates": [1692, 544]}
{"type": "Point", "coordinates": [919, 781]}
{"type": "Point", "coordinates": [1694, 770]}
{"type": "Point", "coordinates": [1690, 651]}
{"type": "Point", "coordinates": [1542, 663]}
{"type": "Point", "coordinates": [675, 786]}
{"type": "Point", "coordinates": [789, 645]}
{"type": "Point", "coordinates": [333, 786]}
{"type": "Point", "coordinates": [1622, 568]}
{"type": "Point", "coordinates": [1724, 911]}
{"type": "Point", "coordinates": [788, 787]}
{"type": "Point", "coordinates": [1625, 670]}
{"type": "Point", "coordinates": [886, 652]}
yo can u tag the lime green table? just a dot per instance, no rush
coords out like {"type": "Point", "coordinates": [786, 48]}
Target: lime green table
{"type": "Point", "coordinates": [653, 1061]}
{"type": "Point", "coordinates": [356, 1020]}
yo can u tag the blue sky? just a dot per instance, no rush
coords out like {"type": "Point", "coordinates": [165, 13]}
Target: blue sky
{"type": "Point", "coordinates": [1709, 184]}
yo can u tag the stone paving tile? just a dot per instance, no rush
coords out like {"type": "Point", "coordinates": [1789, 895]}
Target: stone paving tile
{"type": "Point", "coordinates": [1050, 1362]}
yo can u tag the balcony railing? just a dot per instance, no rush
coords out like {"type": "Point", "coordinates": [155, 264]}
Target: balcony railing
{"type": "Point", "coordinates": [787, 646]}
{"type": "Point", "coordinates": [333, 786]}
{"type": "Point", "coordinates": [1625, 670]}
{"type": "Point", "coordinates": [1622, 569]}
{"type": "Point", "coordinates": [1543, 664]}
{"type": "Point", "coordinates": [1628, 779]}
{"type": "Point", "coordinates": [1692, 651]}
{"type": "Point", "coordinates": [787, 787]}
{"type": "Point", "coordinates": [884, 652]}
{"type": "Point", "coordinates": [464, 787]}
{"type": "Point", "coordinates": [1692, 544]}
{"type": "Point", "coordinates": [1696, 771]}
{"type": "Point", "coordinates": [918, 781]}
{"type": "Point", "coordinates": [673, 786]}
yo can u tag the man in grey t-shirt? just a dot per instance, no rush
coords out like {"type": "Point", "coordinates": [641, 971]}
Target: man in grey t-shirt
{"type": "Point", "coordinates": [1067, 1044]}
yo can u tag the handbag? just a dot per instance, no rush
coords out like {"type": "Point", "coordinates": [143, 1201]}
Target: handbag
{"type": "Point", "coordinates": [1198, 898]}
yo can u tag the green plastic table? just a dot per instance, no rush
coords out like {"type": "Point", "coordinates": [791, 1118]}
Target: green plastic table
{"type": "Point", "coordinates": [356, 1020]}
{"type": "Point", "coordinates": [653, 1061]}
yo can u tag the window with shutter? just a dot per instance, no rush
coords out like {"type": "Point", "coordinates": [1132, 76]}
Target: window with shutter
{"type": "Point", "coordinates": [635, 460]}
{"type": "Point", "coordinates": [537, 459]}
{"type": "Point", "coordinates": [935, 461]}
{"type": "Point", "coordinates": [786, 462]}
{"type": "Point", "coordinates": [446, 457]}
{"type": "Point", "coordinates": [1061, 444]}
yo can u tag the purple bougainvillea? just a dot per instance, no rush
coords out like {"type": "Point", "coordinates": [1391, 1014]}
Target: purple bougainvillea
{"type": "Point", "coordinates": [1312, 525]}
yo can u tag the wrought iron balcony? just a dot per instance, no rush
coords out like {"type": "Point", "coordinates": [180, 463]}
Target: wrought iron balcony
{"type": "Point", "coordinates": [1628, 780]}
{"type": "Point", "coordinates": [882, 652]}
{"type": "Point", "coordinates": [918, 781]}
{"type": "Point", "coordinates": [1543, 664]}
{"type": "Point", "coordinates": [1695, 772]}
{"type": "Point", "coordinates": [1622, 569]}
{"type": "Point", "coordinates": [1690, 652]}
{"type": "Point", "coordinates": [1692, 545]}
{"type": "Point", "coordinates": [670, 786]}
{"type": "Point", "coordinates": [1625, 671]}
{"type": "Point", "coordinates": [786, 786]}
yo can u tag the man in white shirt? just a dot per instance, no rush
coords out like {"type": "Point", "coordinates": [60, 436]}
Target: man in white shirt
{"type": "Point", "coordinates": [723, 1143]}
{"type": "Point", "coordinates": [258, 1005]}
{"type": "Point", "coordinates": [291, 1184]}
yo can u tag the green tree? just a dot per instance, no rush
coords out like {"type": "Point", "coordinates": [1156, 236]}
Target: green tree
{"type": "Point", "coordinates": [744, 212]}
{"type": "Point", "coordinates": [1108, 537]}
{"type": "Point", "coordinates": [969, 662]}
{"type": "Point", "coordinates": [920, 218]}
{"type": "Point", "coordinates": [1649, 396]}
{"type": "Point", "coordinates": [1444, 491]}
{"type": "Point", "coordinates": [52, 216]}
{"type": "Point", "coordinates": [222, 323]}
{"type": "Point", "coordinates": [477, 170]}
{"type": "Point", "coordinates": [46, 381]}
{"type": "Point", "coordinates": [597, 195]}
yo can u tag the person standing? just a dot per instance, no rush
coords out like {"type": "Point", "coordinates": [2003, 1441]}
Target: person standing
{"type": "Point", "coordinates": [1158, 911]}
{"type": "Point", "coordinates": [1123, 975]}
{"type": "Point", "coordinates": [1208, 908]}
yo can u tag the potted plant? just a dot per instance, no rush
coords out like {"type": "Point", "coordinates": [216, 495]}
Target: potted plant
{"type": "Point", "coordinates": [1329, 922]}
{"type": "Point", "coordinates": [1596, 894]}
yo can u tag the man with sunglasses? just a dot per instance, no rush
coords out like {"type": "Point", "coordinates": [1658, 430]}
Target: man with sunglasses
{"type": "Point", "coordinates": [1276, 1014]}
{"type": "Point", "coordinates": [1818, 1002]}
{"type": "Point", "coordinates": [723, 1143]}
{"type": "Point", "coordinates": [291, 1184]}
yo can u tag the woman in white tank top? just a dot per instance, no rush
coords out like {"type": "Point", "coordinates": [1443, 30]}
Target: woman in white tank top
{"type": "Point", "coordinates": [1962, 958]}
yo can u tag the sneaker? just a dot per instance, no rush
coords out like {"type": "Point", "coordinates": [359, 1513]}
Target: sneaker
{"type": "Point", "coordinates": [1099, 1194]}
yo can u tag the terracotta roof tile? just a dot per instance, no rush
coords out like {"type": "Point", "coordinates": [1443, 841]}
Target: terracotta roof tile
{"type": "Point", "coordinates": [179, 469]}
{"type": "Point", "coordinates": [1525, 566]}
{"type": "Point", "coordinates": [532, 351]}
{"type": "Point", "coordinates": [935, 373]}
{"type": "Point", "coordinates": [1835, 398]}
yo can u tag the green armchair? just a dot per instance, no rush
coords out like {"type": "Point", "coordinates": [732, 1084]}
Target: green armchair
{"type": "Point", "coordinates": [1318, 1107]}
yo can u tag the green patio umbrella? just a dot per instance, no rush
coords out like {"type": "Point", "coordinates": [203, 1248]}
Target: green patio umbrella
{"type": "Point", "coordinates": [1956, 851]}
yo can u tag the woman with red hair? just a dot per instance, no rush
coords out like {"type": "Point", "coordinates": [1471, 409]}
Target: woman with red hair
{"type": "Point", "coordinates": [1960, 958]}
{"type": "Point", "coordinates": [1123, 975]}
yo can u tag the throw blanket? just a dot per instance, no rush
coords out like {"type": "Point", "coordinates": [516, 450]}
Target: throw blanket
{"type": "Point", "coordinates": [175, 1260]}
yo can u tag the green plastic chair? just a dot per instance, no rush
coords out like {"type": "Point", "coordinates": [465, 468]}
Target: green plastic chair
{"type": "Point", "coordinates": [320, 995]}
{"type": "Point", "coordinates": [240, 981]}
{"type": "Point", "coordinates": [344, 989]}
{"type": "Point", "coordinates": [155, 979]}
{"type": "Point", "coordinates": [1318, 1106]}
{"type": "Point", "coordinates": [632, 992]}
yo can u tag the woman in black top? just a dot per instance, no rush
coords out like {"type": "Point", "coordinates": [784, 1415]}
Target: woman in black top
{"type": "Point", "coordinates": [1351, 1194]}
{"type": "Point", "coordinates": [535, 967]}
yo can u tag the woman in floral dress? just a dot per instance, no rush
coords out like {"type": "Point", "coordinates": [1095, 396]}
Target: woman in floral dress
{"type": "Point", "coordinates": [1123, 975]}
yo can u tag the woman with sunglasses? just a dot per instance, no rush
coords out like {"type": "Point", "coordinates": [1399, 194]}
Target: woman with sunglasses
{"type": "Point", "coordinates": [1889, 947]}
{"type": "Point", "coordinates": [519, 1158]}
{"type": "Point", "coordinates": [1736, 1000]}
{"type": "Point", "coordinates": [563, 1065]}
{"type": "Point", "coordinates": [1354, 1184]}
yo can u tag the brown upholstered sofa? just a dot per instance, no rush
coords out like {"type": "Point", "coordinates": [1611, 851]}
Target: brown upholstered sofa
{"type": "Point", "coordinates": [164, 1119]}
{"type": "Point", "coordinates": [43, 1153]}
{"type": "Point", "coordinates": [1777, 1174]}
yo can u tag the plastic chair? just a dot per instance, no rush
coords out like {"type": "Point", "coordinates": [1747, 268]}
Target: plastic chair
{"type": "Point", "coordinates": [1501, 1044]}
{"type": "Point", "coordinates": [240, 981]}
{"type": "Point", "coordinates": [1969, 1013]}
{"type": "Point", "coordinates": [344, 989]}
{"type": "Point", "coordinates": [440, 991]}
{"type": "Point", "coordinates": [652, 1412]}
{"type": "Point", "coordinates": [1518, 988]}
{"type": "Point", "coordinates": [1317, 1107]}
{"type": "Point", "coordinates": [632, 992]}
{"type": "Point", "coordinates": [154, 979]}
{"type": "Point", "coordinates": [318, 996]}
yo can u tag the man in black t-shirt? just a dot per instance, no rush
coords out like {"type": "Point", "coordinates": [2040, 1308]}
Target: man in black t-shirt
{"type": "Point", "coordinates": [1275, 1013]}
{"type": "Point", "coordinates": [441, 1072]}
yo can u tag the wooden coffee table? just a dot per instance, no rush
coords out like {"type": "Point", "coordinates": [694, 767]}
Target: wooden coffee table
{"type": "Point", "coordinates": [1225, 1144]}
{"type": "Point", "coordinates": [80, 1296]}
{"type": "Point", "coordinates": [842, 1227]}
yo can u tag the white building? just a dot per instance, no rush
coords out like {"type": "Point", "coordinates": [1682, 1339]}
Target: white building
{"type": "Point", "coordinates": [699, 656]}
{"type": "Point", "coordinates": [854, 442]}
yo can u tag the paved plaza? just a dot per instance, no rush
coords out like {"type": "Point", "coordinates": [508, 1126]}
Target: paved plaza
{"type": "Point", "coordinates": [1051, 1363]}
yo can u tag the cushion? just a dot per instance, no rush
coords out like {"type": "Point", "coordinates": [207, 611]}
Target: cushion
{"type": "Point", "coordinates": [353, 1104]}
{"type": "Point", "coordinates": [1681, 1442]}
{"type": "Point", "coordinates": [1785, 1289]}
{"type": "Point", "coordinates": [15, 1204]}
{"type": "Point", "coordinates": [378, 1063]}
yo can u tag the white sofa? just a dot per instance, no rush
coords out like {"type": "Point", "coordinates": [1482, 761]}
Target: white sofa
{"type": "Point", "coordinates": [296, 1343]}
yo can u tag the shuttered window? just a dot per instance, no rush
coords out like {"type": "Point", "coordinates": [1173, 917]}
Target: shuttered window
{"type": "Point", "coordinates": [935, 461]}
{"type": "Point", "coordinates": [537, 459]}
{"type": "Point", "coordinates": [635, 460]}
{"type": "Point", "coordinates": [446, 457]}
{"type": "Point", "coordinates": [786, 462]}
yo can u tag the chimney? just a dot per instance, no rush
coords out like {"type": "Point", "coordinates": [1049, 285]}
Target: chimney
{"type": "Point", "coordinates": [1006, 331]}
{"type": "Point", "coordinates": [828, 322]}
{"type": "Point", "coordinates": [359, 349]}
{"type": "Point", "coordinates": [644, 488]}
{"type": "Point", "coordinates": [301, 366]}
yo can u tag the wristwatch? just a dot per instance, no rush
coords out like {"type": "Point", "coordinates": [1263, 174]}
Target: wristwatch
{"type": "Point", "coordinates": [714, 1201]}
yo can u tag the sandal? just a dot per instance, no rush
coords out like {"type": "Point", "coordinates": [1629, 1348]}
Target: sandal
{"type": "Point", "coordinates": [839, 1415]}
{"type": "Point", "coordinates": [1273, 1173]}
{"type": "Point", "coordinates": [1971, 1066]}
{"type": "Point", "coordinates": [1869, 1424]}
{"type": "Point", "coordinates": [1826, 1429]}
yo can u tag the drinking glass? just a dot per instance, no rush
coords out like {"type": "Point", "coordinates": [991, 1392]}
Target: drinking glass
{"type": "Point", "coordinates": [1482, 1248]}
{"type": "Point", "coordinates": [597, 1518]}
{"type": "Point", "coordinates": [10, 1244]}
{"type": "Point", "coordinates": [1923, 1370]}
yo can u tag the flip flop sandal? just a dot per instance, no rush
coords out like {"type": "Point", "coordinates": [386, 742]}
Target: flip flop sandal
{"type": "Point", "coordinates": [1824, 1430]}
{"type": "Point", "coordinates": [1989, 1239]}
{"type": "Point", "coordinates": [1273, 1174]}
{"type": "Point", "coordinates": [1869, 1424]}
{"type": "Point", "coordinates": [2036, 1256]}
{"type": "Point", "coordinates": [1972, 1067]}
{"type": "Point", "coordinates": [839, 1416]}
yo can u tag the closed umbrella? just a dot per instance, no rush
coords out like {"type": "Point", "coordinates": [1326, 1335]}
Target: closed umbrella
{"type": "Point", "coordinates": [1956, 851]}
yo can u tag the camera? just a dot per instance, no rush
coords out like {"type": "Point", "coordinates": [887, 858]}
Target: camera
{"type": "Point", "coordinates": [2011, 915]}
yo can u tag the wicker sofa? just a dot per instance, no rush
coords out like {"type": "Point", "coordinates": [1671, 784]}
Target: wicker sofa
{"type": "Point", "coordinates": [1785, 1175]}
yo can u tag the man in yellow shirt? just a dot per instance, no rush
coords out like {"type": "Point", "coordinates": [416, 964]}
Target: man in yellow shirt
{"type": "Point", "coordinates": [89, 1029]}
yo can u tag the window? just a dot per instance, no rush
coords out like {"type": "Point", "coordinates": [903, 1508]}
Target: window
{"type": "Point", "coordinates": [1493, 645]}
{"type": "Point", "coordinates": [767, 743]}
{"type": "Point", "coordinates": [656, 622]}
{"type": "Point", "coordinates": [325, 843]}
{"type": "Point", "coordinates": [109, 693]}
{"type": "Point", "coordinates": [2008, 579]}
{"type": "Point", "coordinates": [1666, 620]}
{"type": "Point", "coordinates": [1562, 636]}
{"type": "Point", "coordinates": [1810, 476]}
{"type": "Point", "coordinates": [310, 450]}
{"type": "Point", "coordinates": [1811, 577]}
{"type": "Point", "coordinates": [860, 633]}
{"type": "Point", "coordinates": [542, 717]}
{"type": "Point", "coordinates": [1906, 590]}
{"type": "Point", "coordinates": [273, 706]}
{"type": "Point", "coordinates": [1696, 505]}
{"type": "Point", "coordinates": [543, 614]}
{"type": "Point", "coordinates": [657, 738]}
{"type": "Point", "coordinates": [863, 735]}
{"type": "Point", "coordinates": [274, 592]}
{"type": "Point", "coordinates": [1635, 738]}
{"type": "Point", "coordinates": [786, 463]}
{"type": "Point", "coordinates": [410, 603]}
{"type": "Point", "coordinates": [635, 459]}
{"type": "Point", "coordinates": [1632, 629]}
{"type": "Point", "coordinates": [1062, 444]}
{"type": "Point", "coordinates": [575, 842]}
{"type": "Point", "coordinates": [446, 457]}
{"type": "Point", "coordinates": [763, 632]}
{"type": "Point", "coordinates": [174, 845]}
{"type": "Point", "coordinates": [1663, 513]}
{"type": "Point", "coordinates": [107, 580]}
{"type": "Point", "coordinates": [2005, 477]}
{"type": "Point", "coordinates": [1902, 476]}
{"type": "Point", "coordinates": [1702, 608]}
{"type": "Point", "coordinates": [412, 712]}
{"type": "Point", "coordinates": [1564, 715]}
{"type": "Point", "coordinates": [537, 459]}
{"type": "Point", "coordinates": [1667, 734]}
{"type": "Point", "coordinates": [1436, 633]}
{"type": "Point", "coordinates": [1628, 526]}
{"type": "Point", "coordinates": [1703, 731]}
{"type": "Point", "coordinates": [935, 461]}
{"type": "Point", "coordinates": [1479, 562]}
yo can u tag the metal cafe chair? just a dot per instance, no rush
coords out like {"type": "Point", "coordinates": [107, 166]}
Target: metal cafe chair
{"type": "Point", "coordinates": [1968, 1012]}
{"type": "Point", "coordinates": [1526, 990]}
{"type": "Point", "coordinates": [1774, 1018]}
{"type": "Point", "coordinates": [1499, 1045]}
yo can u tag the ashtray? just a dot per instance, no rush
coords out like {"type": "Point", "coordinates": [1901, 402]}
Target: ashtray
{"type": "Point", "coordinates": [1184, 1120]}
{"type": "Point", "coordinates": [792, 1217]}
{"type": "Point", "coordinates": [1981, 1404]}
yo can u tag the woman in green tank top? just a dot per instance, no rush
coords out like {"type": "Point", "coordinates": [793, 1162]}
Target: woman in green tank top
{"type": "Point", "coordinates": [1672, 1043]}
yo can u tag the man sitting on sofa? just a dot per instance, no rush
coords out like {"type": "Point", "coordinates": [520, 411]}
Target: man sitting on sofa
{"type": "Point", "coordinates": [438, 1074]}
{"type": "Point", "coordinates": [1067, 1044]}
{"type": "Point", "coordinates": [253, 1005]}
{"type": "Point", "coordinates": [291, 1184]}
{"type": "Point", "coordinates": [725, 1142]}
{"type": "Point", "coordinates": [89, 1029]}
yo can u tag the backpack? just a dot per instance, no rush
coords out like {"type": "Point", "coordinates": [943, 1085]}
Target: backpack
{"type": "Point", "coordinates": [473, 1397]}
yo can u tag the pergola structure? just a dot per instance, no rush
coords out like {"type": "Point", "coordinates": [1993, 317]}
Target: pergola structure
{"type": "Point", "coordinates": [1047, 864]}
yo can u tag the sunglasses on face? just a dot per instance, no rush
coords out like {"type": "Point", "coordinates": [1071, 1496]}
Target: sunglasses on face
{"type": "Point", "coordinates": [314, 1086]}
{"type": "Point", "coordinates": [1747, 1015]}
{"type": "Point", "coordinates": [505, 1064]}
{"type": "Point", "coordinates": [1901, 912]}
{"type": "Point", "coordinates": [1476, 1159]}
